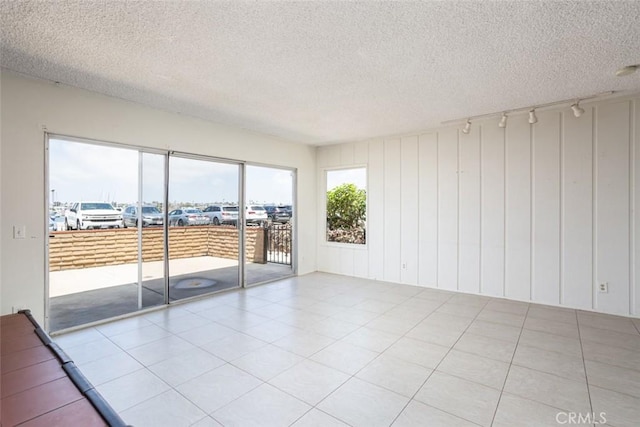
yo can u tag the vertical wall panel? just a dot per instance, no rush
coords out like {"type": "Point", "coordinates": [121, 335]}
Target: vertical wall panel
{"type": "Point", "coordinates": [346, 261]}
{"type": "Point", "coordinates": [612, 204]}
{"type": "Point", "coordinates": [334, 155]}
{"type": "Point", "coordinates": [545, 279]}
{"type": "Point", "coordinates": [492, 206]}
{"type": "Point", "coordinates": [577, 210]}
{"type": "Point", "coordinates": [635, 294]}
{"type": "Point", "coordinates": [428, 210]}
{"type": "Point", "coordinates": [392, 209]}
{"type": "Point", "coordinates": [409, 223]}
{"type": "Point", "coordinates": [469, 217]}
{"type": "Point", "coordinates": [347, 154]}
{"type": "Point", "coordinates": [361, 263]}
{"type": "Point", "coordinates": [518, 209]}
{"type": "Point", "coordinates": [375, 219]}
{"type": "Point", "coordinates": [323, 157]}
{"type": "Point", "coordinates": [361, 153]}
{"type": "Point", "coordinates": [448, 209]}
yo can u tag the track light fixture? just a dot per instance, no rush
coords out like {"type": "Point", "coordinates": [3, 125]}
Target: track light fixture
{"type": "Point", "coordinates": [503, 121]}
{"type": "Point", "coordinates": [577, 110]}
{"type": "Point", "coordinates": [505, 114]}
{"type": "Point", "coordinates": [467, 127]}
{"type": "Point", "coordinates": [629, 69]}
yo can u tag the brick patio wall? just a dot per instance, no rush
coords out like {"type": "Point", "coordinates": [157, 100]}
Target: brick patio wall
{"type": "Point", "coordinates": [95, 248]}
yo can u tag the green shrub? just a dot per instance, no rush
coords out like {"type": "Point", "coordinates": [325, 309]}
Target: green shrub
{"type": "Point", "coordinates": [346, 207]}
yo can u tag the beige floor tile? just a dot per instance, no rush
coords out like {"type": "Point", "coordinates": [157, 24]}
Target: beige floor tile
{"type": "Point", "coordinates": [317, 418]}
{"type": "Point", "coordinates": [129, 390]}
{"type": "Point", "coordinates": [418, 352]}
{"type": "Point", "coordinates": [509, 319]}
{"type": "Point", "coordinates": [304, 343]}
{"type": "Point", "coordinates": [548, 389]}
{"type": "Point", "coordinates": [371, 339]}
{"type": "Point", "coordinates": [159, 350]}
{"type": "Point", "coordinates": [309, 381]}
{"type": "Point", "coordinates": [558, 314]}
{"type": "Point", "coordinates": [183, 367]}
{"type": "Point", "coordinates": [472, 367]}
{"type": "Point", "coordinates": [559, 364]}
{"type": "Point", "coordinates": [394, 374]}
{"type": "Point", "coordinates": [218, 387]}
{"type": "Point", "coordinates": [610, 338]}
{"type": "Point", "coordinates": [612, 355]}
{"type": "Point", "coordinates": [517, 411]}
{"type": "Point", "coordinates": [613, 377]}
{"type": "Point", "coordinates": [264, 406]}
{"type": "Point", "coordinates": [267, 362]}
{"type": "Point", "coordinates": [569, 330]}
{"type": "Point", "coordinates": [495, 330]}
{"type": "Point", "coordinates": [487, 347]}
{"type": "Point", "coordinates": [620, 410]}
{"type": "Point", "coordinates": [359, 403]}
{"type": "Point", "coordinates": [418, 414]}
{"type": "Point", "coordinates": [465, 399]}
{"type": "Point", "coordinates": [345, 357]}
{"type": "Point", "coordinates": [233, 346]}
{"type": "Point", "coordinates": [169, 409]}
{"type": "Point", "coordinates": [207, 333]}
{"type": "Point", "coordinates": [551, 342]}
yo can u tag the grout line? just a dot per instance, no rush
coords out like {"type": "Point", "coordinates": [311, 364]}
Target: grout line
{"type": "Point", "coordinates": [584, 365]}
{"type": "Point", "coordinates": [561, 211]}
{"type": "Point", "coordinates": [510, 364]}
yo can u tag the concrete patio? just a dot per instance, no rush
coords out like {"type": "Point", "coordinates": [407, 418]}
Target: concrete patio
{"type": "Point", "coordinates": [87, 295]}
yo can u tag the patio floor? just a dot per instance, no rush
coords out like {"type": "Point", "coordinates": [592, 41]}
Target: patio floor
{"type": "Point", "coordinates": [87, 295]}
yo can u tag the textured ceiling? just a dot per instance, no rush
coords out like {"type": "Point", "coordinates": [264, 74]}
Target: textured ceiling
{"type": "Point", "coordinates": [322, 72]}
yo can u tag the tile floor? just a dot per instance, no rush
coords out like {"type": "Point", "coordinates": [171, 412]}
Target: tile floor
{"type": "Point", "coordinates": [326, 350]}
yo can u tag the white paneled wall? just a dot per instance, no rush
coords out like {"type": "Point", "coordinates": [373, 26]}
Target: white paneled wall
{"type": "Point", "coordinates": [541, 213]}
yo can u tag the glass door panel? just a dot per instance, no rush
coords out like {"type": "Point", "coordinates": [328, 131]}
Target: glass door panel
{"type": "Point", "coordinates": [149, 212]}
{"type": "Point", "coordinates": [94, 259]}
{"type": "Point", "coordinates": [202, 222]}
{"type": "Point", "coordinates": [269, 224]}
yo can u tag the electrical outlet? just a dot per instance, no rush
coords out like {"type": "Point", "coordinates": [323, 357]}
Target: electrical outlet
{"type": "Point", "coordinates": [19, 231]}
{"type": "Point", "coordinates": [604, 288]}
{"type": "Point", "coordinates": [404, 266]}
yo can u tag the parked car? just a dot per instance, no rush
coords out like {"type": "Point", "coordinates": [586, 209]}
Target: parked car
{"type": "Point", "coordinates": [86, 215]}
{"type": "Point", "coordinates": [277, 213]}
{"type": "Point", "coordinates": [188, 216]}
{"type": "Point", "coordinates": [256, 214]}
{"type": "Point", "coordinates": [150, 216]}
{"type": "Point", "coordinates": [222, 214]}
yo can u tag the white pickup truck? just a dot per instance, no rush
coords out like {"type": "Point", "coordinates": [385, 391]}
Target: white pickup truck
{"type": "Point", "coordinates": [85, 215]}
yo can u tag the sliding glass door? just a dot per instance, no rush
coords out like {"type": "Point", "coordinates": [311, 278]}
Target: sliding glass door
{"type": "Point", "coordinates": [269, 223]}
{"type": "Point", "coordinates": [105, 239]}
{"type": "Point", "coordinates": [204, 239]}
{"type": "Point", "coordinates": [132, 228]}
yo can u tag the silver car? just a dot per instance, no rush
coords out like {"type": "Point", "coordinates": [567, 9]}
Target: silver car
{"type": "Point", "coordinates": [188, 216]}
{"type": "Point", "coordinates": [150, 216]}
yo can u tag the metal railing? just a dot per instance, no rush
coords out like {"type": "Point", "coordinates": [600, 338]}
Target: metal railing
{"type": "Point", "coordinates": [278, 243]}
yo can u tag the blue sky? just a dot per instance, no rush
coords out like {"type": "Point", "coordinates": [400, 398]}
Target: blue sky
{"type": "Point", "coordinates": [81, 171]}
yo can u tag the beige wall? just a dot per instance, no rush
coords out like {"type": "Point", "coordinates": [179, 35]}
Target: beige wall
{"type": "Point", "coordinates": [29, 106]}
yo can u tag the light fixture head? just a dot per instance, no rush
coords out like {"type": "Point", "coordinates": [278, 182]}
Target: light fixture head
{"type": "Point", "coordinates": [503, 121]}
{"type": "Point", "coordinates": [532, 116]}
{"type": "Point", "coordinates": [629, 69]}
{"type": "Point", "coordinates": [577, 110]}
{"type": "Point", "coordinates": [467, 127]}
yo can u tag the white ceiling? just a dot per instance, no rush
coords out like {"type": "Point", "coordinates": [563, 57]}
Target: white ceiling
{"type": "Point", "coordinates": [322, 72]}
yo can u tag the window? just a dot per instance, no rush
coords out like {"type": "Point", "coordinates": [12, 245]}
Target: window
{"type": "Point", "coordinates": [346, 205]}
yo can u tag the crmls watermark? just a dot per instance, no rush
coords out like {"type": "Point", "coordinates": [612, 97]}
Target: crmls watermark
{"type": "Point", "coordinates": [577, 418]}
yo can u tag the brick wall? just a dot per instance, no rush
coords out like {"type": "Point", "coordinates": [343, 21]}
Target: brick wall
{"type": "Point", "coordinates": [95, 248]}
